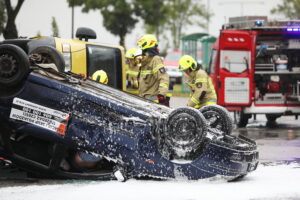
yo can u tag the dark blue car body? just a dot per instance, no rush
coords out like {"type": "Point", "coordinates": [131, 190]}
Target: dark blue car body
{"type": "Point", "coordinates": [124, 129]}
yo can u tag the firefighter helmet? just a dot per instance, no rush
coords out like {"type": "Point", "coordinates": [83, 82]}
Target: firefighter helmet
{"type": "Point", "coordinates": [130, 53]}
{"type": "Point", "coordinates": [100, 76]}
{"type": "Point", "coordinates": [147, 41]}
{"type": "Point", "coordinates": [187, 62]}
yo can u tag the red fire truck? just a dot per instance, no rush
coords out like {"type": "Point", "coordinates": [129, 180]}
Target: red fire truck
{"type": "Point", "coordinates": [255, 67]}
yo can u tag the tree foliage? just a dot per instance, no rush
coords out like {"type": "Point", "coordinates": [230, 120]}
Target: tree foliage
{"type": "Point", "coordinates": [184, 13]}
{"type": "Point", "coordinates": [154, 13]}
{"type": "Point", "coordinates": [38, 34]}
{"type": "Point", "coordinates": [289, 8]}
{"type": "Point", "coordinates": [55, 30]}
{"type": "Point", "coordinates": [159, 16]}
{"type": "Point", "coordinates": [172, 15]}
{"type": "Point", "coordinates": [118, 15]}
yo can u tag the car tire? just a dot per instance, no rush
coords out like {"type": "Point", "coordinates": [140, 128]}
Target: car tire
{"type": "Point", "coordinates": [218, 118]}
{"type": "Point", "coordinates": [50, 55]}
{"type": "Point", "coordinates": [14, 67]}
{"type": "Point", "coordinates": [185, 132]}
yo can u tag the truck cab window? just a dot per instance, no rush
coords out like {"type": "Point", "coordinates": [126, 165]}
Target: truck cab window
{"type": "Point", "coordinates": [107, 59]}
{"type": "Point", "coordinates": [235, 61]}
{"type": "Point", "coordinates": [212, 62]}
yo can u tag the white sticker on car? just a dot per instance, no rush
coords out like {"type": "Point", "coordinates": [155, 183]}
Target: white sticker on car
{"type": "Point", "coordinates": [38, 115]}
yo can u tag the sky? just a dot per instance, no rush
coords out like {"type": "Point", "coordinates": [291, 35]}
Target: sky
{"type": "Point", "coordinates": [36, 15]}
{"type": "Point", "coordinates": [272, 182]}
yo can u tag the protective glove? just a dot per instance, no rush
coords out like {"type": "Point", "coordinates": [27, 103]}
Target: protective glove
{"type": "Point", "coordinates": [163, 100]}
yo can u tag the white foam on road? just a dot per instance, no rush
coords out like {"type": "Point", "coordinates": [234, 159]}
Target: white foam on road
{"type": "Point", "coordinates": [267, 182]}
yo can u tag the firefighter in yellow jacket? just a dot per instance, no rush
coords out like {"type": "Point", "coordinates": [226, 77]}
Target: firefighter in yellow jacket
{"type": "Point", "coordinates": [132, 71]}
{"type": "Point", "coordinates": [153, 78]}
{"type": "Point", "coordinates": [202, 90]}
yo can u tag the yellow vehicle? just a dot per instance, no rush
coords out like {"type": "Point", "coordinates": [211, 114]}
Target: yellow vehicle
{"type": "Point", "coordinates": [80, 55]}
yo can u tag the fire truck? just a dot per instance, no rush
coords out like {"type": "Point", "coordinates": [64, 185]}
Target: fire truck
{"type": "Point", "coordinates": [255, 68]}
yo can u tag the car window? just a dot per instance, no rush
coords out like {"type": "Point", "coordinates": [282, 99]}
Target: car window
{"type": "Point", "coordinates": [107, 59]}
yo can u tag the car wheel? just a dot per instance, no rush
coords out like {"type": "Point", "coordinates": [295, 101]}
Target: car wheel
{"type": "Point", "coordinates": [185, 132]}
{"type": "Point", "coordinates": [14, 66]}
{"type": "Point", "coordinates": [49, 55]}
{"type": "Point", "coordinates": [218, 118]}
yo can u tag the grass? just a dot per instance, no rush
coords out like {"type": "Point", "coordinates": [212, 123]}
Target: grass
{"type": "Point", "coordinates": [177, 91]}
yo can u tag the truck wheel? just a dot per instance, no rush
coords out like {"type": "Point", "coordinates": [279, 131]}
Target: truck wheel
{"type": "Point", "coordinates": [241, 119]}
{"type": "Point", "coordinates": [185, 133]}
{"type": "Point", "coordinates": [49, 55]}
{"type": "Point", "coordinates": [272, 119]}
{"type": "Point", "coordinates": [218, 118]}
{"type": "Point", "coordinates": [14, 66]}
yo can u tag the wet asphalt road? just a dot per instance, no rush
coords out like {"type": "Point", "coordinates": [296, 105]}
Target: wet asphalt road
{"type": "Point", "coordinates": [280, 143]}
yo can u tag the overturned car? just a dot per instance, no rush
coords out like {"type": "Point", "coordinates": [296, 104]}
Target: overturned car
{"type": "Point", "coordinates": [46, 117]}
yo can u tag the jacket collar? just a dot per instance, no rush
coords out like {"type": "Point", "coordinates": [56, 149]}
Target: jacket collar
{"type": "Point", "coordinates": [192, 75]}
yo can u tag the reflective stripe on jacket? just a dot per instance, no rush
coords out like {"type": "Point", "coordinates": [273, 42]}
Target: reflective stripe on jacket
{"type": "Point", "coordinates": [202, 89]}
{"type": "Point", "coordinates": [132, 74]}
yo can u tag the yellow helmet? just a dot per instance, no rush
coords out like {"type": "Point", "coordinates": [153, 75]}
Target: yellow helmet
{"type": "Point", "coordinates": [187, 62]}
{"type": "Point", "coordinates": [147, 41]}
{"type": "Point", "coordinates": [130, 53]}
{"type": "Point", "coordinates": [100, 76]}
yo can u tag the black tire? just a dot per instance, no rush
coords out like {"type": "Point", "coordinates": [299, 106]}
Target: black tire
{"type": "Point", "coordinates": [241, 119]}
{"type": "Point", "coordinates": [50, 55]}
{"type": "Point", "coordinates": [271, 123]}
{"type": "Point", "coordinates": [272, 117]}
{"type": "Point", "coordinates": [14, 66]}
{"type": "Point", "coordinates": [218, 118]}
{"type": "Point", "coordinates": [185, 132]}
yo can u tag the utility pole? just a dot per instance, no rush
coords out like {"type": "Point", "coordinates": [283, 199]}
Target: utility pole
{"type": "Point", "coordinates": [72, 22]}
{"type": "Point", "coordinates": [208, 17]}
{"type": "Point", "coordinates": [242, 3]}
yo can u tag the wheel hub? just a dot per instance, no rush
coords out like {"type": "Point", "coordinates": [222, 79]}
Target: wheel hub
{"type": "Point", "coordinates": [7, 66]}
{"type": "Point", "coordinates": [214, 119]}
{"type": "Point", "coordinates": [183, 132]}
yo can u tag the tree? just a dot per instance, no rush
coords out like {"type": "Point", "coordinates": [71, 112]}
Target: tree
{"type": "Point", "coordinates": [183, 13]}
{"type": "Point", "coordinates": [289, 8]}
{"type": "Point", "coordinates": [2, 16]}
{"type": "Point", "coordinates": [118, 15]}
{"type": "Point", "coordinates": [38, 34]}
{"type": "Point", "coordinates": [154, 13]}
{"type": "Point", "coordinates": [10, 30]}
{"type": "Point", "coordinates": [55, 31]}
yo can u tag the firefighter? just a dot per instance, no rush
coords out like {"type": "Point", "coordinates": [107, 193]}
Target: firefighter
{"type": "Point", "coordinates": [132, 72]}
{"type": "Point", "coordinates": [100, 76]}
{"type": "Point", "coordinates": [153, 78]}
{"type": "Point", "coordinates": [202, 89]}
